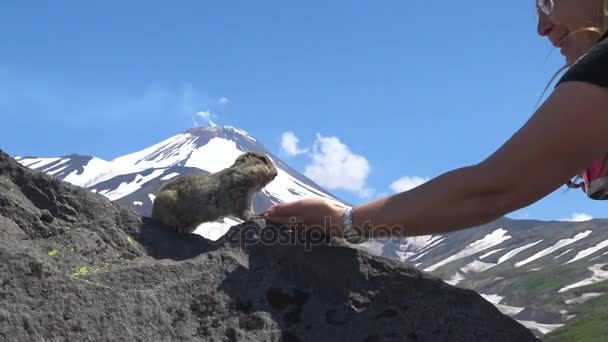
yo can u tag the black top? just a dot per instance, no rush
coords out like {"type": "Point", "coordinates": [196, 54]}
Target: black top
{"type": "Point", "coordinates": [592, 68]}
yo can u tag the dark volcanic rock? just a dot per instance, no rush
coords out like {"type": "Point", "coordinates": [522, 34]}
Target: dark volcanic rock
{"type": "Point", "coordinates": [74, 266]}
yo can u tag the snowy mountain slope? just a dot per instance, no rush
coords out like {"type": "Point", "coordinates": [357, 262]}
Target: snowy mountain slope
{"type": "Point", "coordinates": [533, 271]}
{"type": "Point", "coordinates": [133, 180]}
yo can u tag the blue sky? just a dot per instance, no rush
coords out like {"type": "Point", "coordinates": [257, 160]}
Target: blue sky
{"type": "Point", "coordinates": [398, 89]}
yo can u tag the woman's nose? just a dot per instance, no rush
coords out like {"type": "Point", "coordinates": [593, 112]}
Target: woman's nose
{"type": "Point", "coordinates": [544, 25]}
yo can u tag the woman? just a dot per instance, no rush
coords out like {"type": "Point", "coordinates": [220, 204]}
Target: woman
{"type": "Point", "coordinates": [568, 133]}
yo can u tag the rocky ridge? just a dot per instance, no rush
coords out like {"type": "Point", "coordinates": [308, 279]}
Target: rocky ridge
{"type": "Point", "coordinates": [76, 266]}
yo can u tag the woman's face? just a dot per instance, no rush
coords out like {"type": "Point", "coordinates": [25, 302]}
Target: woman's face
{"type": "Point", "coordinates": [567, 17]}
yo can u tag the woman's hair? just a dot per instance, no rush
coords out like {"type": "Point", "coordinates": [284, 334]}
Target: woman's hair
{"type": "Point", "coordinates": [603, 26]}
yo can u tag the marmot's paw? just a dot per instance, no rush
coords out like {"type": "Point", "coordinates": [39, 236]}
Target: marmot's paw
{"type": "Point", "coordinates": [255, 217]}
{"type": "Point", "coordinates": [259, 219]}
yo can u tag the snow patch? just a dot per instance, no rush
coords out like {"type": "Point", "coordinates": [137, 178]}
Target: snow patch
{"type": "Point", "coordinates": [242, 132]}
{"type": "Point", "coordinates": [560, 244]}
{"type": "Point", "coordinates": [216, 229]}
{"type": "Point", "coordinates": [125, 188]}
{"type": "Point", "coordinates": [216, 155]}
{"type": "Point", "coordinates": [583, 298]}
{"type": "Point", "coordinates": [566, 252]}
{"type": "Point", "coordinates": [169, 176]}
{"type": "Point", "coordinates": [505, 309]}
{"type": "Point", "coordinates": [404, 256]}
{"type": "Point", "coordinates": [54, 166]}
{"type": "Point", "coordinates": [164, 154]}
{"type": "Point", "coordinates": [542, 328]}
{"type": "Point", "coordinates": [477, 266]}
{"type": "Point", "coordinates": [508, 309]}
{"type": "Point", "coordinates": [416, 243]}
{"type": "Point", "coordinates": [490, 253]}
{"type": "Point", "coordinates": [420, 255]}
{"type": "Point", "coordinates": [35, 163]}
{"type": "Point", "coordinates": [599, 275]}
{"type": "Point", "coordinates": [138, 203]}
{"type": "Point", "coordinates": [589, 251]}
{"type": "Point", "coordinates": [457, 278]}
{"type": "Point", "coordinates": [516, 251]}
{"type": "Point", "coordinates": [599, 256]}
{"type": "Point", "coordinates": [58, 170]}
{"type": "Point", "coordinates": [151, 197]}
{"type": "Point", "coordinates": [495, 238]}
{"type": "Point", "coordinates": [94, 172]}
{"type": "Point", "coordinates": [492, 298]}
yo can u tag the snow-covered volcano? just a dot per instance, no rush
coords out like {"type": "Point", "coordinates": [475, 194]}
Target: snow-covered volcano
{"type": "Point", "coordinates": [133, 180]}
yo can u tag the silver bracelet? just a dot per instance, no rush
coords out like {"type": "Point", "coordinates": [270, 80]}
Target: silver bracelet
{"type": "Point", "coordinates": [350, 234]}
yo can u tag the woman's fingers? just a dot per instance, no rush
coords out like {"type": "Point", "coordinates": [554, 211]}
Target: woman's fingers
{"type": "Point", "coordinates": [279, 219]}
{"type": "Point", "coordinates": [291, 212]}
{"type": "Point", "coordinates": [283, 209]}
{"type": "Point", "coordinates": [309, 213]}
{"type": "Point", "coordinates": [279, 214]}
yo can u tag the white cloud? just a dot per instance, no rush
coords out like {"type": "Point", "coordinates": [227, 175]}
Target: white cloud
{"type": "Point", "coordinates": [335, 166]}
{"type": "Point", "coordinates": [578, 217]}
{"type": "Point", "coordinates": [223, 100]}
{"type": "Point", "coordinates": [406, 183]}
{"type": "Point", "coordinates": [289, 144]}
{"type": "Point", "coordinates": [203, 118]}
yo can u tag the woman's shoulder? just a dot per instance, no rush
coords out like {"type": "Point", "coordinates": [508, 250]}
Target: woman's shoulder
{"type": "Point", "coordinates": [592, 67]}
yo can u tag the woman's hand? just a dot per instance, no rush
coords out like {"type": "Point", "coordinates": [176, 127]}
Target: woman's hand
{"type": "Point", "coordinates": [309, 214]}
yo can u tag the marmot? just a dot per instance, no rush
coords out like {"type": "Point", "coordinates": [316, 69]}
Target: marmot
{"type": "Point", "coordinates": [187, 201]}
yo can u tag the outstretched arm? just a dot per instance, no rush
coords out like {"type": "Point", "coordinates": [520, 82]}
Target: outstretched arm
{"type": "Point", "coordinates": [564, 135]}
{"type": "Point", "coordinates": [454, 200]}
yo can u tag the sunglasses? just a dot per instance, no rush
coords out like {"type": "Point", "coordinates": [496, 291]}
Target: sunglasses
{"type": "Point", "coordinates": [545, 7]}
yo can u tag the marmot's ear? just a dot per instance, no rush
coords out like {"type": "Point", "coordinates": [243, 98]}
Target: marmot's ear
{"type": "Point", "coordinates": [242, 157]}
{"type": "Point", "coordinates": [264, 158]}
